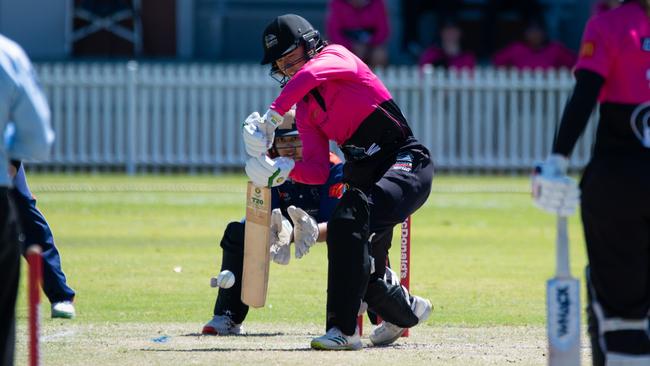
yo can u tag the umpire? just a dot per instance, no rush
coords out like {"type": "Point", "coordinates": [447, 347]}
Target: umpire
{"type": "Point", "coordinates": [612, 69]}
{"type": "Point", "coordinates": [25, 118]}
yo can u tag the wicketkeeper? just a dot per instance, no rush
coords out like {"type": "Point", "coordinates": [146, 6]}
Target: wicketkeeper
{"type": "Point", "coordinates": [614, 69]}
{"type": "Point", "coordinates": [25, 120]}
{"type": "Point", "coordinates": [387, 172]}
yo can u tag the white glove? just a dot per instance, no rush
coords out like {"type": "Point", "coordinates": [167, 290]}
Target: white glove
{"type": "Point", "coordinates": [280, 237]}
{"type": "Point", "coordinates": [266, 172]}
{"type": "Point", "coordinates": [255, 140]}
{"type": "Point", "coordinates": [553, 190]}
{"type": "Point", "coordinates": [259, 131]}
{"type": "Point", "coordinates": [272, 119]}
{"type": "Point", "coordinates": [281, 254]}
{"type": "Point", "coordinates": [305, 230]}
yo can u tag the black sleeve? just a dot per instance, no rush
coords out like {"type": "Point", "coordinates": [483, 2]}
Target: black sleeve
{"type": "Point", "coordinates": [577, 111]}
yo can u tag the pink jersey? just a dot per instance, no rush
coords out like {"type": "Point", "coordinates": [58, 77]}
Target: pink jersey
{"type": "Point", "coordinates": [349, 92]}
{"type": "Point", "coordinates": [520, 56]}
{"type": "Point", "coordinates": [357, 22]}
{"type": "Point", "coordinates": [616, 45]}
{"type": "Point", "coordinates": [435, 56]}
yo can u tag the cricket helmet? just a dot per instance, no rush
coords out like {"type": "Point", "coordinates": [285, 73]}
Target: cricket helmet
{"type": "Point", "coordinates": [286, 137]}
{"type": "Point", "coordinates": [285, 33]}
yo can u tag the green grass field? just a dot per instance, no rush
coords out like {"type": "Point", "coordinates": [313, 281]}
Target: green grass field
{"type": "Point", "coordinates": [481, 257]}
{"type": "Point", "coordinates": [480, 251]}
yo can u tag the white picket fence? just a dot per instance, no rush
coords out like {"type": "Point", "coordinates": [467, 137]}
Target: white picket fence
{"type": "Point", "coordinates": [150, 117]}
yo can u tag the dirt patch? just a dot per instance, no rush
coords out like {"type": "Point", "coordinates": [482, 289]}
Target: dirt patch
{"type": "Point", "coordinates": [70, 343]}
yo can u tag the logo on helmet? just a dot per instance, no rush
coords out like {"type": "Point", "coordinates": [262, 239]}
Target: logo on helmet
{"type": "Point", "coordinates": [270, 40]}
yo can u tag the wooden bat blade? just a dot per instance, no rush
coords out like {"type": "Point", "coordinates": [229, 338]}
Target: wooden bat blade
{"type": "Point", "coordinates": [255, 277]}
{"type": "Point", "coordinates": [563, 321]}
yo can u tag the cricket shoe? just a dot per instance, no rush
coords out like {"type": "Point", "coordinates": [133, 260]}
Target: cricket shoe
{"type": "Point", "coordinates": [387, 333]}
{"type": "Point", "coordinates": [221, 325]}
{"type": "Point", "coordinates": [335, 340]}
{"type": "Point", "coordinates": [63, 309]}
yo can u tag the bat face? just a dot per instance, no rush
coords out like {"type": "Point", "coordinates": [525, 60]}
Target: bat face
{"type": "Point", "coordinates": [255, 274]}
{"type": "Point", "coordinates": [563, 321]}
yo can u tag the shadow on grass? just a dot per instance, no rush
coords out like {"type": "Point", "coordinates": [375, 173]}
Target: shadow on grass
{"type": "Point", "coordinates": [247, 334]}
{"type": "Point", "coordinates": [295, 349]}
{"type": "Point", "coordinates": [227, 349]}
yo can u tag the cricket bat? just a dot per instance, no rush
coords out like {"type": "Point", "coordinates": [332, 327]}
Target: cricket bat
{"type": "Point", "coordinates": [255, 277]}
{"type": "Point", "coordinates": [563, 306]}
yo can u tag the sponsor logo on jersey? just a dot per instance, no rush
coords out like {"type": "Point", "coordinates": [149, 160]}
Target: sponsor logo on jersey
{"type": "Point", "coordinates": [640, 123]}
{"type": "Point", "coordinates": [587, 49]}
{"type": "Point", "coordinates": [336, 190]}
{"type": "Point", "coordinates": [374, 148]}
{"type": "Point", "coordinates": [404, 162]}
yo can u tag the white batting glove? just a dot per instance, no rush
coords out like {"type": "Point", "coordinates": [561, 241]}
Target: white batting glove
{"type": "Point", "coordinates": [272, 119]}
{"type": "Point", "coordinates": [552, 189]}
{"type": "Point", "coordinates": [266, 172]}
{"type": "Point", "coordinates": [280, 237]}
{"type": "Point", "coordinates": [256, 141]}
{"type": "Point", "coordinates": [305, 230]}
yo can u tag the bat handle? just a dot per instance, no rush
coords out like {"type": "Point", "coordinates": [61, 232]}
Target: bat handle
{"type": "Point", "coordinates": [562, 243]}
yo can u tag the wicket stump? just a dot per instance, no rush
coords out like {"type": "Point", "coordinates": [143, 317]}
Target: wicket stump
{"type": "Point", "coordinates": [35, 262]}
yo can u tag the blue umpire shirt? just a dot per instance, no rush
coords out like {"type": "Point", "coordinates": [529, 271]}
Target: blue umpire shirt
{"type": "Point", "coordinates": [24, 113]}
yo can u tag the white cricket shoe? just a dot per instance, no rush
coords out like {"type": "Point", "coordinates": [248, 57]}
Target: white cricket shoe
{"type": "Point", "coordinates": [387, 333]}
{"type": "Point", "coordinates": [334, 339]}
{"type": "Point", "coordinates": [221, 325]}
{"type": "Point", "coordinates": [63, 309]}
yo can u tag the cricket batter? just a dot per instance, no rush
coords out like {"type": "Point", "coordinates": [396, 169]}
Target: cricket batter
{"type": "Point", "coordinates": [315, 204]}
{"type": "Point", "coordinates": [26, 115]}
{"type": "Point", "coordinates": [614, 69]}
{"type": "Point", "coordinates": [387, 173]}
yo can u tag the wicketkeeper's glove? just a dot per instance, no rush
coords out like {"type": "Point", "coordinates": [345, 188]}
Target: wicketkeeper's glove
{"type": "Point", "coordinates": [280, 237]}
{"type": "Point", "coordinates": [305, 231]}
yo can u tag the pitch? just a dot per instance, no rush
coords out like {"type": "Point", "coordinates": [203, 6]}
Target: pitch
{"type": "Point", "coordinates": [135, 344]}
{"type": "Point", "coordinates": [140, 252]}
